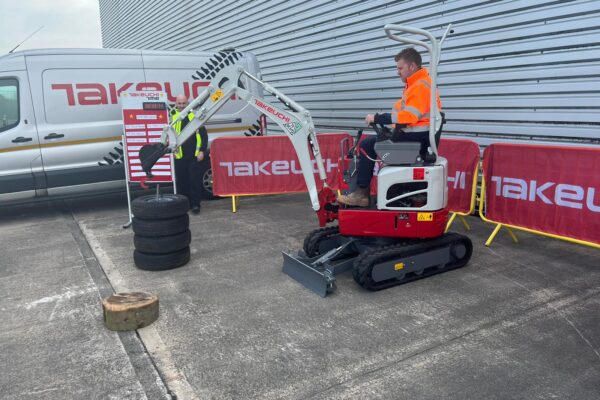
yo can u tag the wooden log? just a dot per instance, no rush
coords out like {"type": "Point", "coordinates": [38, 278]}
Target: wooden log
{"type": "Point", "coordinates": [130, 311]}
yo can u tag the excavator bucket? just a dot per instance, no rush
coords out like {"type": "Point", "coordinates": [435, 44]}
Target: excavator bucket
{"type": "Point", "coordinates": [150, 154]}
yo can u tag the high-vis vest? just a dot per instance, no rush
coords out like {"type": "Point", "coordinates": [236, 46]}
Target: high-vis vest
{"type": "Point", "coordinates": [177, 127]}
{"type": "Point", "coordinates": [413, 109]}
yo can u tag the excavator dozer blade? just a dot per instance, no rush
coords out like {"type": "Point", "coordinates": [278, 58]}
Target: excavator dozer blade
{"type": "Point", "coordinates": [301, 270]}
{"type": "Point", "coordinates": [150, 154]}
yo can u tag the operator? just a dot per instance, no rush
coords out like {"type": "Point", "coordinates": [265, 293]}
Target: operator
{"type": "Point", "coordinates": [188, 157]}
{"type": "Point", "coordinates": [410, 115]}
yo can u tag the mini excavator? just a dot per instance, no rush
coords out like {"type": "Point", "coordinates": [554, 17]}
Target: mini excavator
{"type": "Point", "coordinates": [400, 237]}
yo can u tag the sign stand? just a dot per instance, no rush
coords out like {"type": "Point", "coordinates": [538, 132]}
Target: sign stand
{"type": "Point", "coordinates": [145, 114]}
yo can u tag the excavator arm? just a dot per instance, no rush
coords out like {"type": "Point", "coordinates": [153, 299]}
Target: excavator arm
{"type": "Point", "coordinates": [295, 122]}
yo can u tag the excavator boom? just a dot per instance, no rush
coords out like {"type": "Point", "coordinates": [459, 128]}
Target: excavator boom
{"type": "Point", "coordinates": [295, 121]}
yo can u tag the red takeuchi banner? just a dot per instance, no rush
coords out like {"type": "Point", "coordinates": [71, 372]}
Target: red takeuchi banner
{"type": "Point", "coordinates": [267, 164]}
{"type": "Point", "coordinates": [551, 189]}
{"type": "Point", "coordinates": [462, 156]}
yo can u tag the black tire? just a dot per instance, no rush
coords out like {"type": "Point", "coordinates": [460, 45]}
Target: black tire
{"type": "Point", "coordinates": [206, 189]}
{"type": "Point", "coordinates": [161, 227]}
{"type": "Point", "coordinates": [161, 262]}
{"type": "Point", "coordinates": [162, 206]}
{"type": "Point", "coordinates": [162, 244]}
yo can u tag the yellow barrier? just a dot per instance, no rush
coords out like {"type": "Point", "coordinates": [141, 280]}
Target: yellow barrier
{"type": "Point", "coordinates": [235, 203]}
{"type": "Point", "coordinates": [500, 225]}
{"type": "Point", "coordinates": [462, 215]}
{"type": "Point", "coordinates": [235, 198]}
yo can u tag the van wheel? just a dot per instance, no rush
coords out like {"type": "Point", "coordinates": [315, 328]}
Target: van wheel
{"type": "Point", "coordinates": [162, 244]}
{"type": "Point", "coordinates": [162, 206]}
{"type": "Point", "coordinates": [206, 189]}
{"type": "Point", "coordinates": [161, 262]}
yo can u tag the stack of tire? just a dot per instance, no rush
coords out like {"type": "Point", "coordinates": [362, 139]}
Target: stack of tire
{"type": "Point", "coordinates": [162, 235]}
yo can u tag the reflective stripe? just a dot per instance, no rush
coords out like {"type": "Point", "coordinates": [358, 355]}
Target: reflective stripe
{"type": "Point", "coordinates": [416, 129]}
{"type": "Point", "coordinates": [413, 110]}
{"type": "Point", "coordinates": [198, 144]}
{"type": "Point", "coordinates": [177, 128]}
{"type": "Point", "coordinates": [424, 82]}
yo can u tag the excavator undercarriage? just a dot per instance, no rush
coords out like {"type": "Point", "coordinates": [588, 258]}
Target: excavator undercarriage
{"type": "Point", "coordinates": [376, 262]}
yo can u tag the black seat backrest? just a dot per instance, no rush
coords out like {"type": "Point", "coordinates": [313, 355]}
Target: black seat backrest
{"type": "Point", "coordinates": [396, 152]}
{"type": "Point", "coordinates": [431, 158]}
{"type": "Point", "coordinates": [438, 134]}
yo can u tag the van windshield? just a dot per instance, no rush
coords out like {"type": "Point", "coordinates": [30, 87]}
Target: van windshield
{"type": "Point", "coordinates": [9, 104]}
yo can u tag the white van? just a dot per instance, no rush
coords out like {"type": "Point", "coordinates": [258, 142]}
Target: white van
{"type": "Point", "coordinates": [61, 124]}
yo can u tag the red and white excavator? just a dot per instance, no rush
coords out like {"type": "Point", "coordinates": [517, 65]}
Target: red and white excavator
{"type": "Point", "coordinates": [400, 237]}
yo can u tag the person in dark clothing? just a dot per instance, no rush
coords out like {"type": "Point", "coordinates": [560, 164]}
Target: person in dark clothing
{"type": "Point", "coordinates": [188, 158]}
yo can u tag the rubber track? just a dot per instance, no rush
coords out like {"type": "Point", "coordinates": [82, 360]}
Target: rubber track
{"type": "Point", "coordinates": [363, 266]}
{"type": "Point", "coordinates": [312, 240]}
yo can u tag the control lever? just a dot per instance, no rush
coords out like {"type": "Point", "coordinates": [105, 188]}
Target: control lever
{"type": "Point", "coordinates": [383, 132]}
{"type": "Point", "coordinates": [350, 153]}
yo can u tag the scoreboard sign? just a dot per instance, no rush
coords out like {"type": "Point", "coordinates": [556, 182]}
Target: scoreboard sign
{"type": "Point", "coordinates": [145, 114]}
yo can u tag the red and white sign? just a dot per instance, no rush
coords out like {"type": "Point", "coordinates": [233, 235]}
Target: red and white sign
{"type": "Point", "coordinates": [144, 116]}
{"type": "Point", "coordinates": [551, 189]}
{"type": "Point", "coordinates": [267, 164]}
{"type": "Point", "coordinates": [462, 156]}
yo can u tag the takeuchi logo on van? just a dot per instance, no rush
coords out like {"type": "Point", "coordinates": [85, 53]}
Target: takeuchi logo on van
{"type": "Point", "coordinates": [93, 94]}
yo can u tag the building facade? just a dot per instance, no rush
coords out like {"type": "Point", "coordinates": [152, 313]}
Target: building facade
{"type": "Point", "coordinates": [512, 70]}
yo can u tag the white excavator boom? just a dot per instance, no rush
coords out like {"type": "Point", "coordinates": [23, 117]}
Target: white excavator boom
{"type": "Point", "coordinates": [295, 121]}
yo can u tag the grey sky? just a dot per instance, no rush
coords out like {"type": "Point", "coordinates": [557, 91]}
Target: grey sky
{"type": "Point", "coordinates": [67, 23]}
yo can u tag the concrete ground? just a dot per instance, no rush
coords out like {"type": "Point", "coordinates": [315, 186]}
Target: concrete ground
{"type": "Point", "coordinates": [520, 321]}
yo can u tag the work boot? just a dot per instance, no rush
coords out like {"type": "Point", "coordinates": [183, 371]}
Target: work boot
{"type": "Point", "coordinates": [359, 198]}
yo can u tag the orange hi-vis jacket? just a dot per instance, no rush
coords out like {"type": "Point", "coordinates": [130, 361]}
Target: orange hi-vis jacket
{"type": "Point", "coordinates": [413, 109]}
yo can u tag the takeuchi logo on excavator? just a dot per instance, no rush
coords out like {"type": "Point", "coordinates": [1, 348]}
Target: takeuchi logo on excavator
{"type": "Point", "coordinates": [276, 113]}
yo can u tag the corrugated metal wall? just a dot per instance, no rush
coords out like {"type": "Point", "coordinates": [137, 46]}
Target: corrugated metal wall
{"type": "Point", "coordinates": [521, 69]}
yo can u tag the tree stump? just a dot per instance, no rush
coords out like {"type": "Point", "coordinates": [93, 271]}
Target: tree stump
{"type": "Point", "coordinates": [130, 311]}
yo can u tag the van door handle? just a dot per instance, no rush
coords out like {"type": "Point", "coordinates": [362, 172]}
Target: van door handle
{"type": "Point", "coordinates": [54, 136]}
{"type": "Point", "coordinates": [22, 139]}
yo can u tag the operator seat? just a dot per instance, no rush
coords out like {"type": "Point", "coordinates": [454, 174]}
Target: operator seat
{"type": "Point", "coordinates": [408, 153]}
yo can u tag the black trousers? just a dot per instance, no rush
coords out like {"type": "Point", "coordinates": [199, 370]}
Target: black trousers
{"type": "Point", "coordinates": [189, 181]}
